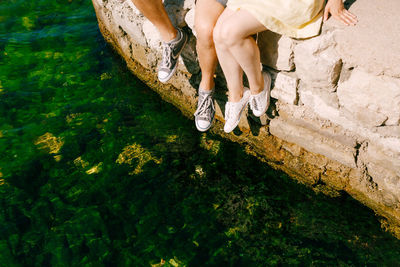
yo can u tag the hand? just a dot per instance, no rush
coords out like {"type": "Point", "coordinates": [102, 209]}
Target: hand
{"type": "Point", "coordinates": [337, 10]}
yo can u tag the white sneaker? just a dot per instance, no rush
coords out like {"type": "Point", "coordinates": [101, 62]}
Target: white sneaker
{"type": "Point", "coordinates": [259, 103]}
{"type": "Point", "coordinates": [233, 111]}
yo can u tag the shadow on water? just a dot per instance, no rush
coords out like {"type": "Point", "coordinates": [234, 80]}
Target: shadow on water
{"type": "Point", "coordinates": [97, 170]}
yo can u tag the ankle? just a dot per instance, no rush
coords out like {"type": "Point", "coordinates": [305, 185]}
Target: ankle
{"type": "Point", "coordinates": [208, 92]}
{"type": "Point", "coordinates": [235, 98]}
{"type": "Point", "coordinates": [256, 91]}
{"type": "Point", "coordinates": [168, 36]}
{"type": "Point", "coordinates": [207, 85]}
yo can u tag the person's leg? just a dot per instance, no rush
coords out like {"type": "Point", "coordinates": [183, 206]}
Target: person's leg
{"type": "Point", "coordinates": [235, 46]}
{"type": "Point", "coordinates": [235, 36]}
{"type": "Point", "coordinates": [154, 11]}
{"type": "Point", "coordinates": [238, 100]}
{"type": "Point", "coordinates": [234, 43]}
{"type": "Point", "coordinates": [232, 70]}
{"type": "Point", "coordinates": [207, 14]}
{"type": "Point", "coordinates": [173, 39]}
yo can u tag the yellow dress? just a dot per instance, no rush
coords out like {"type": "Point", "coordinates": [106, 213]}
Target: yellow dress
{"type": "Point", "coordinates": [294, 18]}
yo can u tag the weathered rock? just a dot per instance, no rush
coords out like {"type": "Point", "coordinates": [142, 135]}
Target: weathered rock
{"type": "Point", "coordinates": [323, 103]}
{"type": "Point", "coordinates": [189, 19]}
{"type": "Point", "coordinates": [333, 135]}
{"type": "Point", "coordinates": [130, 23]}
{"type": "Point", "coordinates": [388, 131]}
{"type": "Point", "coordinates": [374, 42]}
{"type": "Point", "coordinates": [183, 4]}
{"type": "Point", "coordinates": [276, 50]}
{"type": "Point", "coordinates": [176, 14]}
{"type": "Point", "coordinates": [304, 117]}
{"type": "Point", "coordinates": [317, 63]}
{"type": "Point", "coordinates": [135, 11]}
{"type": "Point", "coordinates": [285, 87]}
{"type": "Point", "coordinates": [313, 141]}
{"type": "Point", "coordinates": [320, 103]}
{"type": "Point", "coordinates": [187, 62]}
{"type": "Point", "coordinates": [152, 36]}
{"type": "Point", "coordinates": [367, 118]}
{"type": "Point", "coordinates": [386, 158]}
{"type": "Point", "coordinates": [384, 169]}
{"type": "Point", "coordinates": [372, 100]}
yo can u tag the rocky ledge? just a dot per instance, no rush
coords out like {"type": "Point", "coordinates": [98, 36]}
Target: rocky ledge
{"type": "Point", "coordinates": [334, 122]}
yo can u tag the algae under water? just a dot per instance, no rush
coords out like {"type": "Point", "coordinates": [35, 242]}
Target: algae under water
{"type": "Point", "coordinates": [97, 170]}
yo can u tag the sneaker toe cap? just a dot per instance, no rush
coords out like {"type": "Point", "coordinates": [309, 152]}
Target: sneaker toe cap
{"type": "Point", "coordinates": [203, 125]}
{"type": "Point", "coordinates": [258, 113]}
{"type": "Point", "coordinates": [163, 75]}
{"type": "Point", "coordinates": [228, 128]}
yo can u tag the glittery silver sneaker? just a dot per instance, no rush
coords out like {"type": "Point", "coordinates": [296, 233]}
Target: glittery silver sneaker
{"type": "Point", "coordinates": [170, 55]}
{"type": "Point", "coordinates": [205, 112]}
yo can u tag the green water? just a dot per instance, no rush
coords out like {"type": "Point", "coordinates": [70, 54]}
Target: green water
{"type": "Point", "coordinates": [96, 170]}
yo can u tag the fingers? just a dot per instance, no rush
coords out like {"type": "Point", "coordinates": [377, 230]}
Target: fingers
{"type": "Point", "coordinates": [326, 14]}
{"type": "Point", "coordinates": [351, 14]}
{"type": "Point", "coordinates": [347, 18]}
{"type": "Point", "coordinates": [344, 16]}
{"type": "Point", "coordinates": [352, 18]}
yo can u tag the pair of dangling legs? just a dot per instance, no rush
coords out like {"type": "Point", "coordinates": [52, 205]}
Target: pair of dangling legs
{"type": "Point", "coordinates": [238, 52]}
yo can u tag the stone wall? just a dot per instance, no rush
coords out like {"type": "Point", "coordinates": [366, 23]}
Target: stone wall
{"type": "Point", "coordinates": [334, 122]}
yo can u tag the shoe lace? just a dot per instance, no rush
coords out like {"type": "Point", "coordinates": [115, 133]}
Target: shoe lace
{"type": "Point", "coordinates": [253, 103]}
{"type": "Point", "coordinates": [166, 55]}
{"type": "Point", "coordinates": [228, 111]}
{"type": "Point", "coordinates": [205, 106]}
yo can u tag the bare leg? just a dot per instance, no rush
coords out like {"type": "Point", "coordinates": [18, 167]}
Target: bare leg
{"type": "Point", "coordinates": [231, 68]}
{"type": "Point", "coordinates": [154, 11]}
{"type": "Point", "coordinates": [234, 43]}
{"type": "Point", "coordinates": [207, 14]}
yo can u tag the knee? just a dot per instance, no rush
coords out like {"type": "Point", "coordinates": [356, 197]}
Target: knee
{"type": "Point", "coordinates": [225, 35]}
{"type": "Point", "coordinates": [218, 34]}
{"type": "Point", "coordinates": [204, 32]}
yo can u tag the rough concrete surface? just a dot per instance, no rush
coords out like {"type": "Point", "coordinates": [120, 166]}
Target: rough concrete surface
{"type": "Point", "coordinates": [374, 42]}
